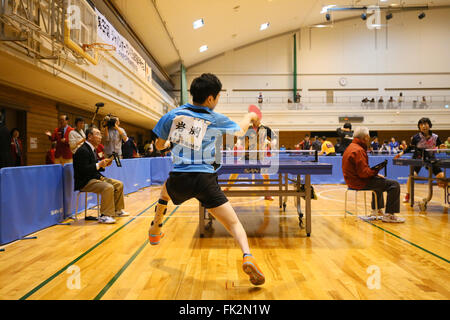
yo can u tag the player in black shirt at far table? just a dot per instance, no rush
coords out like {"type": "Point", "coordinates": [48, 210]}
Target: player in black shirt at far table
{"type": "Point", "coordinates": [305, 144]}
{"type": "Point", "coordinates": [425, 139]}
{"type": "Point", "coordinates": [346, 135]}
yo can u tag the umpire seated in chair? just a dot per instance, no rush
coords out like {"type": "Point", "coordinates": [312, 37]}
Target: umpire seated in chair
{"type": "Point", "coordinates": [359, 176]}
{"type": "Point", "coordinates": [88, 178]}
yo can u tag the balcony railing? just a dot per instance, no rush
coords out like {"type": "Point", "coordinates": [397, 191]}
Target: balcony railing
{"type": "Point", "coordinates": [336, 100]}
{"type": "Point", "coordinates": [339, 103]}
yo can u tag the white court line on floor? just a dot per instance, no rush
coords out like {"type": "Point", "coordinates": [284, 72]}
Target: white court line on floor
{"type": "Point", "coordinates": [343, 201]}
{"type": "Point", "coordinates": [285, 215]}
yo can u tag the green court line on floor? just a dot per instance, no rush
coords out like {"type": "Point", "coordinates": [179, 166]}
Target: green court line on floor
{"type": "Point", "coordinates": [127, 264]}
{"type": "Point", "coordinates": [45, 282]}
{"type": "Point", "coordinates": [403, 239]}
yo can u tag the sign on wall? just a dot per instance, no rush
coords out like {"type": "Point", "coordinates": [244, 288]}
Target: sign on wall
{"type": "Point", "coordinates": [108, 34]}
{"type": "Point", "coordinates": [33, 143]}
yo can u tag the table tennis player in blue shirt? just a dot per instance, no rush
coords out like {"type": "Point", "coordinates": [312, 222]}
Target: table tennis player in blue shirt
{"type": "Point", "coordinates": [194, 132]}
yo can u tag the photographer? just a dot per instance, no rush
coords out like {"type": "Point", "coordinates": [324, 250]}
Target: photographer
{"type": "Point", "coordinates": [113, 136]}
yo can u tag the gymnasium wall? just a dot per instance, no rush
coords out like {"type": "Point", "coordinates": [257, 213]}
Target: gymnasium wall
{"type": "Point", "coordinates": [407, 54]}
{"type": "Point", "coordinates": [41, 115]}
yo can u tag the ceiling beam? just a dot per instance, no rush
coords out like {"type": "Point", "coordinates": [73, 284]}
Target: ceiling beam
{"type": "Point", "coordinates": [167, 30]}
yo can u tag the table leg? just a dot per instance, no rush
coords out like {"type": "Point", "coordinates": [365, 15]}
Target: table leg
{"type": "Point", "coordinates": [430, 187]}
{"type": "Point", "coordinates": [280, 187]}
{"type": "Point", "coordinates": [447, 196]}
{"type": "Point", "coordinates": [430, 184]}
{"type": "Point", "coordinates": [446, 191]}
{"type": "Point", "coordinates": [298, 202]}
{"type": "Point", "coordinates": [308, 204]}
{"type": "Point", "coordinates": [286, 186]}
{"type": "Point", "coordinates": [201, 220]}
{"type": "Point", "coordinates": [298, 205]}
{"type": "Point", "coordinates": [411, 185]}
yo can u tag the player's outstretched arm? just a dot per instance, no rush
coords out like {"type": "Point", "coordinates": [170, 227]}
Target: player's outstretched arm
{"type": "Point", "coordinates": [248, 118]}
{"type": "Point", "coordinates": [399, 155]}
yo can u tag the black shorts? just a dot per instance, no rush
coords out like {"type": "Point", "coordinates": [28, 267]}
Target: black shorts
{"type": "Point", "coordinates": [183, 186]}
{"type": "Point", "coordinates": [436, 170]}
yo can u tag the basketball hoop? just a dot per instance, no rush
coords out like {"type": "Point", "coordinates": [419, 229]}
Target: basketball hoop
{"type": "Point", "coordinates": [98, 47]}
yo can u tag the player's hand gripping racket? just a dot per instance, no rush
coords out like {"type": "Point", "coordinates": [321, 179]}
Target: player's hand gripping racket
{"type": "Point", "coordinates": [255, 109]}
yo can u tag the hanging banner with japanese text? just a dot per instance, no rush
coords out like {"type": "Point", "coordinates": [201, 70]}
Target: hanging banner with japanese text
{"type": "Point", "coordinates": [108, 34]}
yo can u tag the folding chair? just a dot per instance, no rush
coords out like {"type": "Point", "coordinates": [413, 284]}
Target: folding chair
{"type": "Point", "coordinates": [356, 200]}
{"type": "Point", "coordinates": [85, 205]}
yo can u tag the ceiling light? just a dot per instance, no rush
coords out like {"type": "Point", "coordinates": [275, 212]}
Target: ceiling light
{"type": "Point", "coordinates": [389, 16]}
{"type": "Point", "coordinates": [422, 15]}
{"type": "Point", "coordinates": [325, 9]}
{"type": "Point", "coordinates": [264, 26]}
{"type": "Point", "coordinates": [326, 25]}
{"type": "Point", "coordinates": [198, 23]}
{"type": "Point", "coordinates": [203, 48]}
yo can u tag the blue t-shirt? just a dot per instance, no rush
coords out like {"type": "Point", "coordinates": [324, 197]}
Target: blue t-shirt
{"type": "Point", "coordinates": [393, 145]}
{"type": "Point", "coordinates": [196, 133]}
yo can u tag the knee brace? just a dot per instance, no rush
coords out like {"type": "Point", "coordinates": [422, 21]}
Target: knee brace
{"type": "Point", "coordinates": [160, 211]}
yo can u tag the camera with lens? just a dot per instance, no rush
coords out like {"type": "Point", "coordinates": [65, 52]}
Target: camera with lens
{"type": "Point", "coordinates": [109, 121]}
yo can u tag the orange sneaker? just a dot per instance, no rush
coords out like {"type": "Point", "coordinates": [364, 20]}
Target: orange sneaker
{"type": "Point", "coordinates": [154, 239]}
{"type": "Point", "coordinates": [251, 268]}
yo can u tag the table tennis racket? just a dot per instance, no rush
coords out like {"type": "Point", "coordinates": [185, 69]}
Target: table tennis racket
{"type": "Point", "coordinates": [255, 109]}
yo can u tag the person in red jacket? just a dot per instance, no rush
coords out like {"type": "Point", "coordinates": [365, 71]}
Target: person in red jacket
{"type": "Point", "coordinates": [100, 152]}
{"type": "Point", "coordinates": [50, 157]}
{"type": "Point", "coordinates": [63, 154]}
{"type": "Point", "coordinates": [358, 175]}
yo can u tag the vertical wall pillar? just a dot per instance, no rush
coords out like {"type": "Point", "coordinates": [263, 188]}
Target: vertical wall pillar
{"type": "Point", "coordinates": [295, 68]}
{"type": "Point", "coordinates": [183, 87]}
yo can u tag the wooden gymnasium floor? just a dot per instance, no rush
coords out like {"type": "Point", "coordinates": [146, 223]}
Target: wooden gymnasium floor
{"type": "Point", "coordinates": [410, 260]}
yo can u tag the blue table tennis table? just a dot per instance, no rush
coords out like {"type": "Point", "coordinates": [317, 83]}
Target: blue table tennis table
{"type": "Point", "coordinates": [284, 167]}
